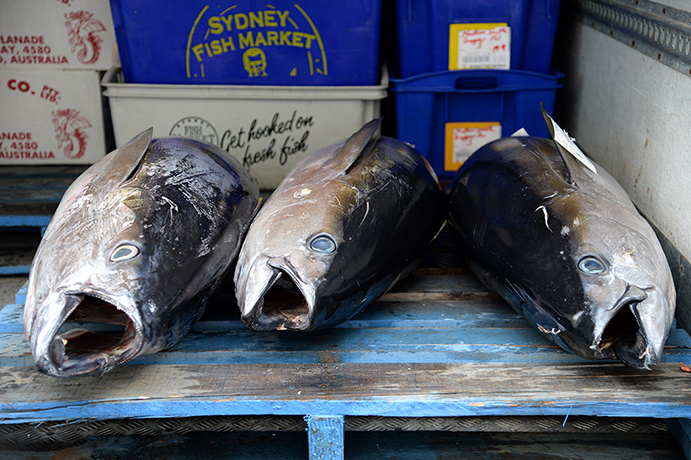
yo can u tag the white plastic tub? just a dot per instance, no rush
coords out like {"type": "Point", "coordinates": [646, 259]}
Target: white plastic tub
{"type": "Point", "coordinates": [268, 128]}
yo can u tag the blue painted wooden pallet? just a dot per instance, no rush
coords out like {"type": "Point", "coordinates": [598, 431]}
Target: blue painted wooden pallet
{"type": "Point", "coordinates": [29, 196]}
{"type": "Point", "coordinates": [438, 345]}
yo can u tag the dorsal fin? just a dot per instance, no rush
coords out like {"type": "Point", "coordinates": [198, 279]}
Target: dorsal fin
{"type": "Point", "coordinates": [129, 157]}
{"type": "Point", "coordinates": [109, 172]}
{"type": "Point", "coordinates": [124, 162]}
{"type": "Point", "coordinates": [575, 160]}
{"type": "Point", "coordinates": [355, 147]}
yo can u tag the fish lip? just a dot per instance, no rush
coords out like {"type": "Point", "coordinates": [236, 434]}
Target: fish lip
{"type": "Point", "coordinates": [48, 346]}
{"type": "Point", "coordinates": [638, 353]}
{"type": "Point", "coordinates": [258, 318]}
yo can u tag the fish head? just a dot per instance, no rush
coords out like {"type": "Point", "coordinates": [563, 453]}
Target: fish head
{"type": "Point", "coordinates": [288, 255]}
{"type": "Point", "coordinates": [137, 245]}
{"type": "Point", "coordinates": [627, 285]}
{"type": "Point", "coordinates": [91, 269]}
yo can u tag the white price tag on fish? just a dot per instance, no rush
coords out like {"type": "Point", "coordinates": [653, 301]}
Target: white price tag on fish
{"type": "Point", "coordinates": [566, 141]}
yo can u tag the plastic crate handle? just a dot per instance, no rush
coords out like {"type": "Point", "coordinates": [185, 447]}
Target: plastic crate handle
{"type": "Point", "coordinates": [476, 82]}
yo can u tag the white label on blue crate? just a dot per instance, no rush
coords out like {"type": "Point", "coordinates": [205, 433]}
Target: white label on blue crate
{"type": "Point", "coordinates": [463, 139]}
{"type": "Point", "coordinates": [482, 45]}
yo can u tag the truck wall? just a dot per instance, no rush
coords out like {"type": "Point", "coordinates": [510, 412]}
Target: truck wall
{"type": "Point", "coordinates": [632, 114]}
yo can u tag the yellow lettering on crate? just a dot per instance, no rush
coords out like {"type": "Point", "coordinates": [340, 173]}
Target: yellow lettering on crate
{"type": "Point", "coordinates": [216, 25]}
{"type": "Point", "coordinates": [253, 32]}
{"type": "Point", "coordinates": [251, 20]}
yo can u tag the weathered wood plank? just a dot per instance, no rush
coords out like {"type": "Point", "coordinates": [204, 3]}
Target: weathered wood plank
{"type": "Point", "coordinates": [433, 313]}
{"type": "Point", "coordinates": [19, 239]}
{"type": "Point", "coordinates": [438, 345]}
{"type": "Point", "coordinates": [352, 346]}
{"type": "Point", "coordinates": [441, 281]}
{"type": "Point", "coordinates": [20, 297]}
{"type": "Point", "coordinates": [34, 190]}
{"type": "Point", "coordinates": [389, 332]}
{"type": "Point", "coordinates": [429, 331]}
{"type": "Point", "coordinates": [390, 389]}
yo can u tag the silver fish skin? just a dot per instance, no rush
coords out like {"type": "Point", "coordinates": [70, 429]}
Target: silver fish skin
{"type": "Point", "coordinates": [138, 243]}
{"type": "Point", "coordinates": [347, 223]}
{"type": "Point", "coordinates": [566, 248]}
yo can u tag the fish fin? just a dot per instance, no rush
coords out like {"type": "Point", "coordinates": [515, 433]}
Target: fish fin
{"type": "Point", "coordinates": [530, 307]}
{"type": "Point", "coordinates": [260, 202]}
{"type": "Point", "coordinates": [109, 172]}
{"type": "Point", "coordinates": [520, 133]}
{"type": "Point", "coordinates": [358, 146]}
{"type": "Point", "coordinates": [517, 297]}
{"type": "Point", "coordinates": [573, 157]}
{"type": "Point", "coordinates": [128, 158]}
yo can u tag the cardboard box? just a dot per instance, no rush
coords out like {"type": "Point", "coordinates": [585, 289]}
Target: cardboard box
{"type": "Point", "coordinates": [50, 117]}
{"type": "Point", "coordinates": [268, 128]}
{"type": "Point", "coordinates": [56, 34]}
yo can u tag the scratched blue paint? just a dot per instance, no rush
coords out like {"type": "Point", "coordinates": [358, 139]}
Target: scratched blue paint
{"type": "Point", "coordinates": [152, 408]}
{"type": "Point", "coordinates": [25, 221]}
{"type": "Point", "coordinates": [11, 318]}
{"type": "Point", "coordinates": [420, 342]}
{"type": "Point", "coordinates": [326, 437]}
{"type": "Point", "coordinates": [20, 296]}
{"type": "Point", "coordinates": [15, 270]}
{"type": "Point", "coordinates": [364, 344]}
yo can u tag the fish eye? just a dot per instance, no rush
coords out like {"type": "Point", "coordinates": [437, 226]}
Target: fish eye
{"type": "Point", "coordinates": [591, 265]}
{"type": "Point", "coordinates": [323, 243]}
{"type": "Point", "coordinates": [124, 252]}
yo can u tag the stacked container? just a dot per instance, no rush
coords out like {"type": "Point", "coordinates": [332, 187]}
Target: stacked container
{"type": "Point", "coordinates": [269, 82]}
{"type": "Point", "coordinates": [472, 72]}
{"type": "Point", "coordinates": [51, 53]}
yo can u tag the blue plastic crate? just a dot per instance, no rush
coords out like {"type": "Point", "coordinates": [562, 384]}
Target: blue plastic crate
{"type": "Point", "coordinates": [427, 30]}
{"type": "Point", "coordinates": [434, 110]}
{"type": "Point", "coordinates": [302, 43]}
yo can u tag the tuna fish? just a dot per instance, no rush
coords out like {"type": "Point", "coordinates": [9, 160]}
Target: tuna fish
{"type": "Point", "coordinates": [347, 223]}
{"type": "Point", "coordinates": [137, 245]}
{"type": "Point", "coordinates": [559, 239]}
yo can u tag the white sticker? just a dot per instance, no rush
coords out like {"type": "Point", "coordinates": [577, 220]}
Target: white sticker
{"type": "Point", "coordinates": [479, 46]}
{"type": "Point", "coordinates": [566, 141]}
{"type": "Point", "coordinates": [463, 139]}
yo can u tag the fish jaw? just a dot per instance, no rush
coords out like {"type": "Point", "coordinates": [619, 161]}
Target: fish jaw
{"type": "Point", "coordinates": [80, 352]}
{"type": "Point", "coordinates": [272, 296]}
{"type": "Point", "coordinates": [635, 329]}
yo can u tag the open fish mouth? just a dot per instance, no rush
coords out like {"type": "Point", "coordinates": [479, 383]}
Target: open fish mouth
{"type": "Point", "coordinates": [626, 335]}
{"type": "Point", "coordinates": [283, 303]}
{"type": "Point", "coordinates": [103, 338]}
